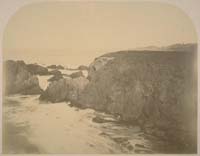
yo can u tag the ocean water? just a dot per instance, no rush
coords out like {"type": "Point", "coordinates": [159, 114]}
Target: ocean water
{"type": "Point", "coordinates": [59, 128]}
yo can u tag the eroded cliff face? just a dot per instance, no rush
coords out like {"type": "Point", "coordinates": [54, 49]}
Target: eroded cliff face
{"type": "Point", "coordinates": [157, 90]}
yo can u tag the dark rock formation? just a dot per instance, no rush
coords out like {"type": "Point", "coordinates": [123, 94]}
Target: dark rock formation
{"type": "Point", "coordinates": [55, 72]}
{"type": "Point", "coordinates": [67, 89]}
{"type": "Point", "coordinates": [98, 64]}
{"type": "Point", "coordinates": [56, 77]}
{"type": "Point", "coordinates": [60, 67]}
{"type": "Point", "coordinates": [154, 89]}
{"type": "Point", "coordinates": [31, 86]}
{"type": "Point", "coordinates": [18, 79]}
{"type": "Point", "coordinates": [37, 69]}
{"type": "Point", "coordinates": [55, 67]}
{"type": "Point", "coordinates": [76, 74]}
{"type": "Point", "coordinates": [82, 67]}
{"type": "Point", "coordinates": [52, 66]}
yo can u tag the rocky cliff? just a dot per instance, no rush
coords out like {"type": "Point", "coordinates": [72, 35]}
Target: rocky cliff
{"type": "Point", "coordinates": [18, 79]}
{"type": "Point", "coordinates": [156, 90]}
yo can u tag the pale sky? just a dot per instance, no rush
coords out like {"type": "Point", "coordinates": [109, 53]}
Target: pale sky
{"type": "Point", "coordinates": [75, 33]}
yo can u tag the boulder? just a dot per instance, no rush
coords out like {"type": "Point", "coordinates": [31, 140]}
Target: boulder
{"type": "Point", "coordinates": [37, 69]}
{"type": "Point", "coordinates": [67, 89]}
{"type": "Point", "coordinates": [55, 67]}
{"type": "Point", "coordinates": [52, 66]}
{"type": "Point", "coordinates": [77, 86]}
{"type": "Point", "coordinates": [82, 67]}
{"type": "Point", "coordinates": [55, 72]}
{"type": "Point", "coordinates": [60, 67]}
{"type": "Point", "coordinates": [55, 77]}
{"type": "Point", "coordinates": [18, 80]}
{"type": "Point", "coordinates": [76, 74]}
{"type": "Point", "coordinates": [31, 86]}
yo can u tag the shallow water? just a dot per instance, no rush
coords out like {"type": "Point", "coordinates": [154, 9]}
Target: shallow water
{"type": "Point", "coordinates": [43, 81]}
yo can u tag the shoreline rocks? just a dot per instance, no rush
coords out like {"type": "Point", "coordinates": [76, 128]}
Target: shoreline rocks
{"type": "Point", "coordinates": [55, 67]}
{"type": "Point", "coordinates": [18, 79]}
{"type": "Point", "coordinates": [157, 90]}
{"type": "Point", "coordinates": [37, 69]}
{"type": "Point", "coordinates": [65, 89]}
{"type": "Point", "coordinates": [83, 67]}
{"type": "Point", "coordinates": [55, 77]}
{"type": "Point", "coordinates": [76, 74]}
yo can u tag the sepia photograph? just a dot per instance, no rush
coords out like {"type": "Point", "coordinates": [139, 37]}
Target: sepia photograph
{"type": "Point", "coordinates": [99, 77]}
